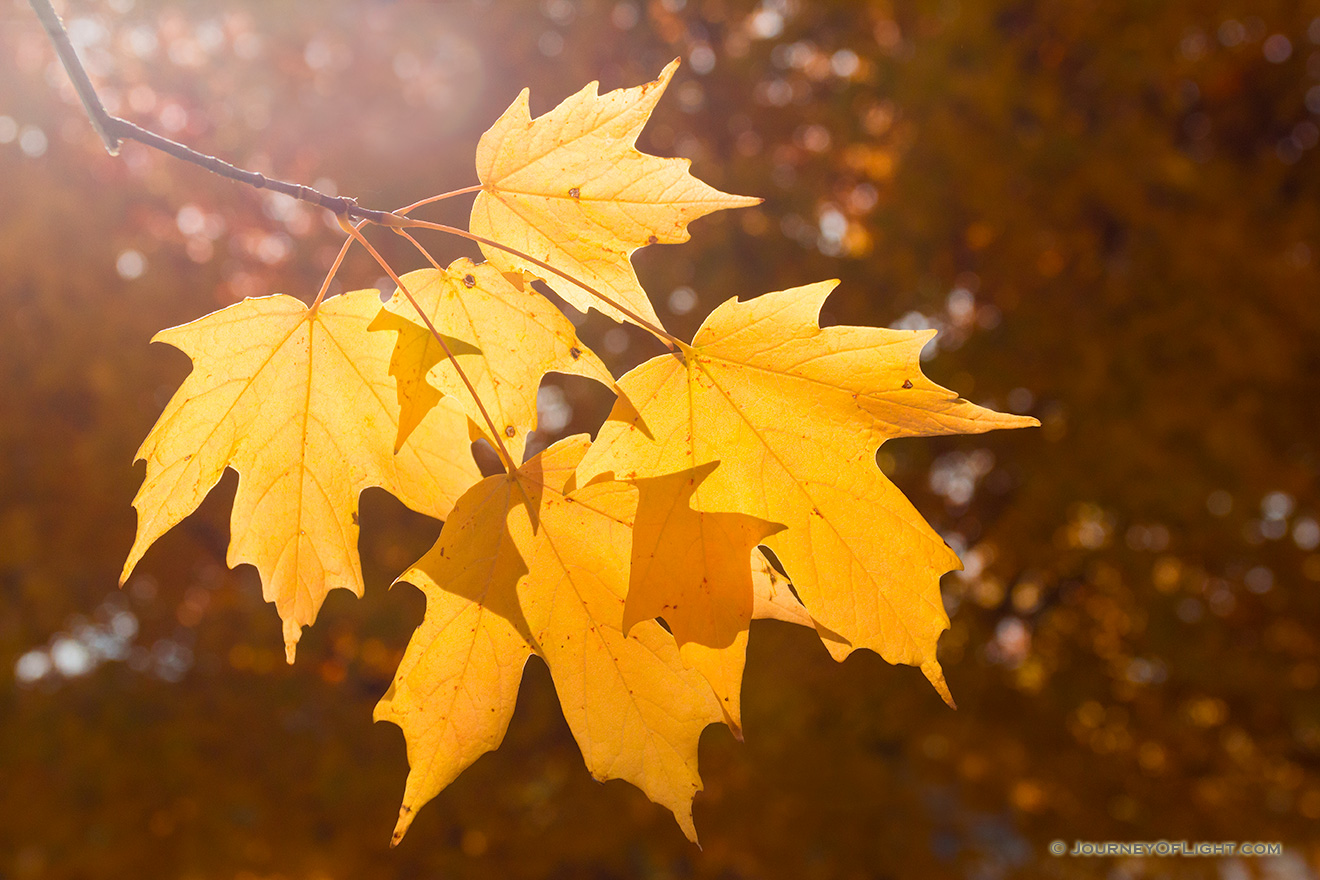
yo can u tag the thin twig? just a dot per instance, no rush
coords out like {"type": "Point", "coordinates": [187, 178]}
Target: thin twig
{"type": "Point", "coordinates": [113, 129]}
{"type": "Point", "coordinates": [505, 458]}
{"type": "Point", "coordinates": [59, 38]}
{"type": "Point", "coordinates": [337, 204]}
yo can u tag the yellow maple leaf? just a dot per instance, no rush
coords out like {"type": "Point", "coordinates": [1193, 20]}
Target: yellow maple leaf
{"type": "Point", "coordinates": [690, 568]}
{"type": "Point", "coordinates": [300, 403]}
{"type": "Point", "coordinates": [514, 336]}
{"type": "Point", "coordinates": [794, 414]}
{"type": "Point", "coordinates": [569, 188]}
{"type": "Point", "coordinates": [529, 562]}
{"type": "Point", "coordinates": [456, 686]}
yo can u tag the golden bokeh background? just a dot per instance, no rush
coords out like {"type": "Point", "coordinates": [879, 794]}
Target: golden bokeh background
{"type": "Point", "coordinates": [1111, 210]}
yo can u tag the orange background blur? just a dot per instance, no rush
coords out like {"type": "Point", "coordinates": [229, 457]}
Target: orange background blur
{"type": "Point", "coordinates": [1111, 210]}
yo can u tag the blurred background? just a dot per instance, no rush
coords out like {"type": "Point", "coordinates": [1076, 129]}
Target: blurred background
{"type": "Point", "coordinates": [1109, 210]}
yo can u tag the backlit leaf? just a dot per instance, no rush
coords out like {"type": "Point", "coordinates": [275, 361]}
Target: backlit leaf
{"type": "Point", "coordinates": [794, 415]}
{"type": "Point", "coordinates": [300, 403]}
{"type": "Point", "coordinates": [514, 336]}
{"type": "Point", "coordinates": [570, 189]}
{"type": "Point", "coordinates": [546, 567]}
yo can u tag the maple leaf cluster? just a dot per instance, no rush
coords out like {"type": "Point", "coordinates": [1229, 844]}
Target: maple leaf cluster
{"type": "Point", "coordinates": [760, 433]}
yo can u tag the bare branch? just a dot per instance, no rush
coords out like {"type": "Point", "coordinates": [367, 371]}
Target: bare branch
{"type": "Point", "coordinates": [59, 38]}
{"type": "Point", "coordinates": [112, 130]}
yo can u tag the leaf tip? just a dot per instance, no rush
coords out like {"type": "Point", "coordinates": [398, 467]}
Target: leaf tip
{"type": "Point", "coordinates": [687, 825]}
{"type": "Point", "coordinates": [292, 632]}
{"type": "Point", "coordinates": [134, 557]}
{"type": "Point", "coordinates": [633, 612]}
{"type": "Point", "coordinates": [935, 676]}
{"type": "Point", "coordinates": [406, 814]}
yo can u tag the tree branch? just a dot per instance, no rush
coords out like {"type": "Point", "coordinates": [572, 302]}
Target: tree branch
{"type": "Point", "coordinates": [112, 130]}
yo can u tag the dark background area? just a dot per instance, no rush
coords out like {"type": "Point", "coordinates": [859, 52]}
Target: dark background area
{"type": "Point", "coordinates": [1109, 209]}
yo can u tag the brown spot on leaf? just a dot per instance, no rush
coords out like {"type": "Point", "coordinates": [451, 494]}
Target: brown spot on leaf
{"type": "Point", "coordinates": [574, 193]}
{"type": "Point", "coordinates": [651, 239]}
{"type": "Point", "coordinates": [509, 431]}
{"type": "Point", "coordinates": [469, 280]}
{"type": "Point", "coordinates": [355, 517]}
{"type": "Point", "coordinates": [907, 383]}
{"type": "Point", "coordinates": [575, 352]}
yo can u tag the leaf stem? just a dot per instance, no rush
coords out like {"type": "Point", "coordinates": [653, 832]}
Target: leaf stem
{"type": "Point", "coordinates": [415, 243]}
{"type": "Point", "coordinates": [665, 336]}
{"type": "Point", "coordinates": [505, 458]}
{"type": "Point", "coordinates": [334, 268]}
{"type": "Point", "coordinates": [449, 195]}
{"type": "Point", "coordinates": [348, 242]}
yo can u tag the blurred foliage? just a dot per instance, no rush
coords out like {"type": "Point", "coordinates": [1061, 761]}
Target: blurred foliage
{"type": "Point", "coordinates": [1109, 208]}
